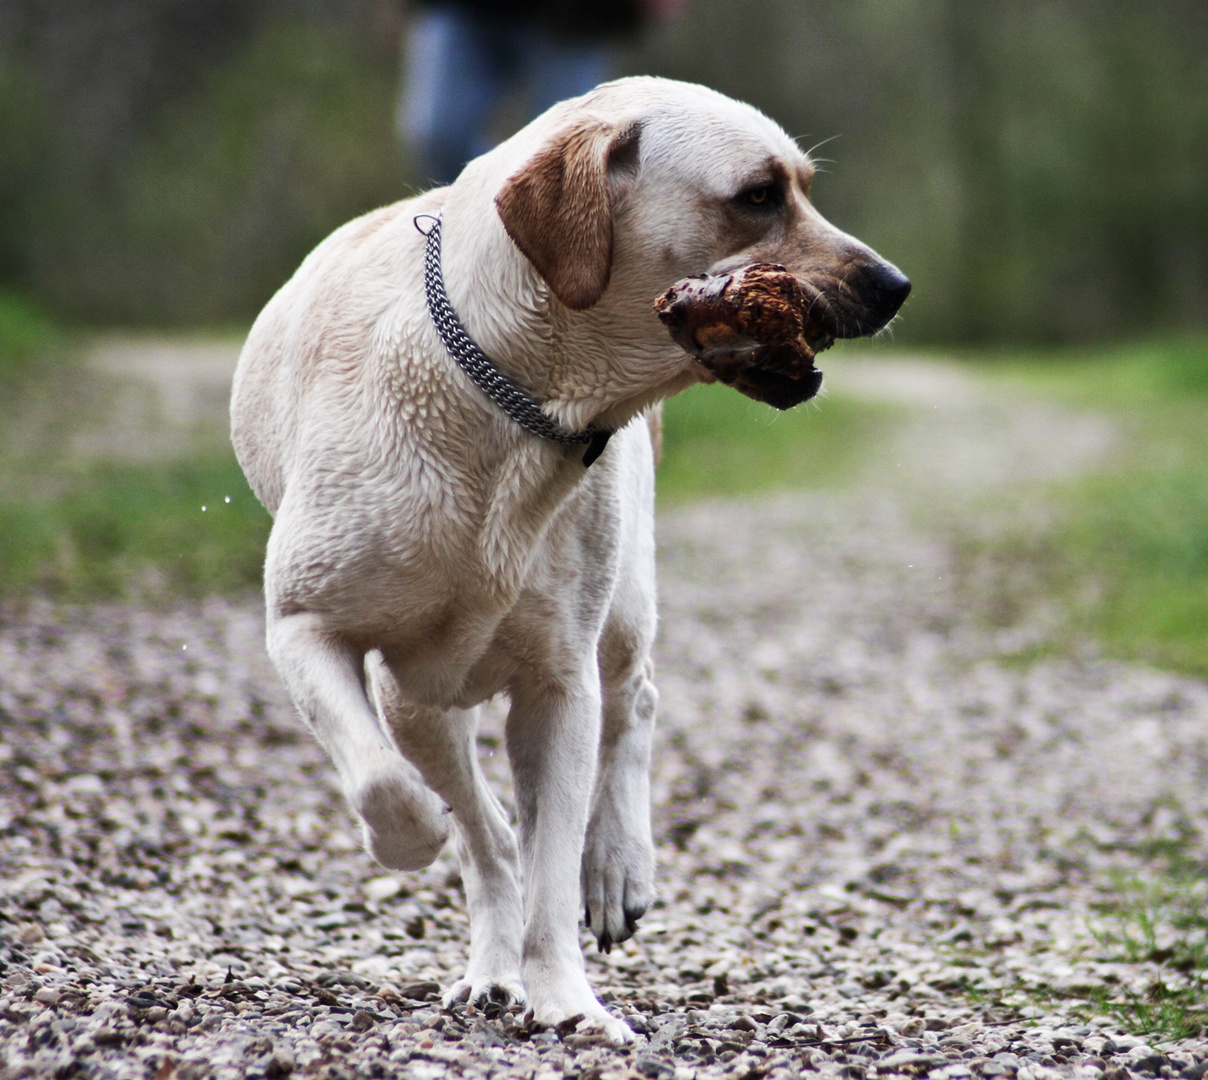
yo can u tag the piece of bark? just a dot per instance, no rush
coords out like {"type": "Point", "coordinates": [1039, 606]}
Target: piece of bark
{"type": "Point", "coordinates": [750, 329]}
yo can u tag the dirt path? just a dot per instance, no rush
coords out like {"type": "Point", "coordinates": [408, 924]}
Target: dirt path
{"type": "Point", "coordinates": [882, 850]}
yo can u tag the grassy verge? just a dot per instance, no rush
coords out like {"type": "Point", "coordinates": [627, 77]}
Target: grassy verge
{"type": "Point", "coordinates": [110, 529]}
{"type": "Point", "coordinates": [84, 530]}
{"type": "Point", "coordinates": [187, 527]}
{"type": "Point", "coordinates": [717, 443]}
{"type": "Point", "coordinates": [27, 338]}
{"type": "Point", "coordinates": [1161, 923]}
{"type": "Point", "coordinates": [1126, 549]}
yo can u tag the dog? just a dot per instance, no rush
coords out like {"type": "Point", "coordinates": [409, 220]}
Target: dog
{"type": "Point", "coordinates": [429, 551]}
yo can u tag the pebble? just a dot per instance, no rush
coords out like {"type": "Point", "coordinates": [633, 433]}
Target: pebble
{"type": "Point", "coordinates": [873, 837]}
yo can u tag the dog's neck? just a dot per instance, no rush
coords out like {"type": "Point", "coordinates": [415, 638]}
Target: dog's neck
{"type": "Point", "coordinates": [573, 362]}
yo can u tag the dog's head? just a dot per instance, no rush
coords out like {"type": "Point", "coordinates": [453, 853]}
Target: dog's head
{"type": "Point", "coordinates": [645, 181]}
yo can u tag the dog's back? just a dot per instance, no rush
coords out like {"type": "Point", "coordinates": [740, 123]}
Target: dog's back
{"type": "Point", "coordinates": [347, 307]}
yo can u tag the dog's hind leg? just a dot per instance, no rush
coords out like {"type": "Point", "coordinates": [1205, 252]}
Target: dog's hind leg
{"type": "Point", "coordinates": [405, 822]}
{"type": "Point", "coordinates": [441, 744]}
{"type": "Point", "coordinates": [618, 856]}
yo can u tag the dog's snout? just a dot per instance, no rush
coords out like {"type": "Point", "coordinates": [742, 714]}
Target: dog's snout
{"type": "Point", "coordinates": [871, 297]}
{"type": "Point", "coordinates": [887, 288]}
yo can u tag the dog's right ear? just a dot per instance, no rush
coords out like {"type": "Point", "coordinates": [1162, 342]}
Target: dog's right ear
{"type": "Point", "coordinates": [558, 208]}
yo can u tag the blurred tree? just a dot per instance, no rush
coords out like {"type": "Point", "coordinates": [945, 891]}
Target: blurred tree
{"type": "Point", "coordinates": [192, 150]}
{"type": "Point", "coordinates": [1036, 167]}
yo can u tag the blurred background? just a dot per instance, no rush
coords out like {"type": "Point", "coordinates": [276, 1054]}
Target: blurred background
{"type": "Point", "coordinates": [1037, 416]}
{"type": "Point", "coordinates": [1038, 168]}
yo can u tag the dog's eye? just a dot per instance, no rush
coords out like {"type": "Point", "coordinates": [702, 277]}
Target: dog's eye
{"type": "Point", "coordinates": [759, 198]}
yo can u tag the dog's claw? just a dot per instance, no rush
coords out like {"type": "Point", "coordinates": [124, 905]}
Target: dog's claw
{"type": "Point", "coordinates": [502, 992]}
{"type": "Point", "coordinates": [631, 918]}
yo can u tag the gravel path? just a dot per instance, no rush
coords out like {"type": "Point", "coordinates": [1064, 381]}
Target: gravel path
{"type": "Point", "coordinates": [882, 850]}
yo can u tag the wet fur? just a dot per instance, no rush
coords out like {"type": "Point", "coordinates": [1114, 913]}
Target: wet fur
{"type": "Point", "coordinates": [428, 554]}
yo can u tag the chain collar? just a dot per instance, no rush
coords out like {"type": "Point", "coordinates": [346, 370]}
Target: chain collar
{"type": "Point", "coordinates": [481, 368]}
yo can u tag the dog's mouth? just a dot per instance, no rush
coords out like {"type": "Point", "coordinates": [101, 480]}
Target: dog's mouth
{"type": "Point", "coordinates": [757, 330]}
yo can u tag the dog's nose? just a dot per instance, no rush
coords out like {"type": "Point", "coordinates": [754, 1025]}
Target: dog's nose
{"type": "Point", "coordinates": [888, 288]}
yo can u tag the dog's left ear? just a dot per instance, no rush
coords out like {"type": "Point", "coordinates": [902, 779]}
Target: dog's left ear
{"type": "Point", "coordinates": [558, 209]}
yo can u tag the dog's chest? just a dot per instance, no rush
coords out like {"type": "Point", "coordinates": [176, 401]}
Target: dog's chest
{"type": "Point", "coordinates": [543, 614]}
{"type": "Point", "coordinates": [473, 648]}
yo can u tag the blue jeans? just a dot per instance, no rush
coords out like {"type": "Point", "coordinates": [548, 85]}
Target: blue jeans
{"type": "Point", "coordinates": [460, 65]}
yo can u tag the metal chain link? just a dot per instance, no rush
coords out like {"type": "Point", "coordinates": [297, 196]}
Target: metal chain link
{"type": "Point", "coordinates": [487, 377]}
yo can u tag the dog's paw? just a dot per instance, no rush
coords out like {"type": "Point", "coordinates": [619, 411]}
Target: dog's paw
{"type": "Point", "coordinates": [481, 992]}
{"type": "Point", "coordinates": [405, 823]}
{"type": "Point", "coordinates": [595, 1021]}
{"type": "Point", "coordinates": [618, 883]}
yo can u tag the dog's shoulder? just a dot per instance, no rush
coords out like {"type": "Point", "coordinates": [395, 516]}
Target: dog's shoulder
{"type": "Point", "coordinates": [339, 325]}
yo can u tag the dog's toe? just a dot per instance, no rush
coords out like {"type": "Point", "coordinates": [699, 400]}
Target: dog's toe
{"type": "Point", "coordinates": [482, 992]}
{"type": "Point", "coordinates": [612, 913]}
{"type": "Point", "coordinates": [597, 1023]}
{"type": "Point", "coordinates": [457, 994]}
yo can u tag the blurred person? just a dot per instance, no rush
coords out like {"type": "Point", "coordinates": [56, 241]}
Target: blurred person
{"type": "Point", "coordinates": [463, 57]}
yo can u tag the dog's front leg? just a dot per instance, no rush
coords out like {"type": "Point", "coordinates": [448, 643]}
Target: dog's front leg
{"type": "Point", "coordinates": [441, 744]}
{"type": "Point", "coordinates": [552, 737]}
{"type": "Point", "coordinates": [405, 821]}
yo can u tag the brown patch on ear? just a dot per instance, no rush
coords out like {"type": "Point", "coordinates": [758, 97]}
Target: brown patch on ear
{"type": "Point", "coordinates": [558, 210]}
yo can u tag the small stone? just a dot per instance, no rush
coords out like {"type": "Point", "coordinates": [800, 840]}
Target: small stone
{"type": "Point", "coordinates": [382, 888]}
{"type": "Point", "coordinates": [420, 991]}
{"type": "Point", "coordinates": [911, 1059]}
{"type": "Point", "coordinates": [280, 1064]}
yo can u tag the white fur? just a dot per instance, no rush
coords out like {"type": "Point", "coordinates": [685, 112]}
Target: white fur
{"type": "Point", "coordinates": [428, 554]}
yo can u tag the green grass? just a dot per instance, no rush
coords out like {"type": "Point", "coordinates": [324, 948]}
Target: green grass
{"type": "Point", "coordinates": [1145, 533]}
{"type": "Point", "coordinates": [1155, 925]}
{"type": "Point", "coordinates": [717, 443]}
{"type": "Point", "coordinates": [114, 530]}
{"type": "Point", "coordinates": [121, 530]}
{"type": "Point", "coordinates": [1127, 375]}
{"type": "Point", "coordinates": [1161, 922]}
{"type": "Point", "coordinates": [1127, 546]}
{"type": "Point", "coordinates": [27, 338]}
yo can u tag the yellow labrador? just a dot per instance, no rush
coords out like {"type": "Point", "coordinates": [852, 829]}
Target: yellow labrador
{"type": "Point", "coordinates": [430, 551]}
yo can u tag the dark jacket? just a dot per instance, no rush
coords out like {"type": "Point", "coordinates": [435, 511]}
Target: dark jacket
{"type": "Point", "coordinates": [572, 19]}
